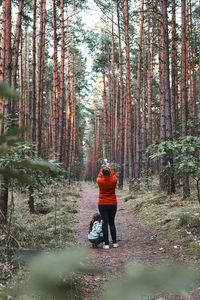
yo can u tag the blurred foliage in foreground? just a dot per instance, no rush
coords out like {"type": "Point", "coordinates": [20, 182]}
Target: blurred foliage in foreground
{"type": "Point", "coordinates": [141, 282]}
{"type": "Point", "coordinates": [7, 92]}
{"type": "Point", "coordinates": [53, 276]}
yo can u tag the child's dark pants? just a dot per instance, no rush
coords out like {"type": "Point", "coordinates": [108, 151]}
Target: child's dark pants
{"type": "Point", "coordinates": [108, 213]}
{"type": "Point", "coordinates": [97, 241]}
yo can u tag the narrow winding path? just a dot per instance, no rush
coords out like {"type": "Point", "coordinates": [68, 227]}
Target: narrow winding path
{"type": "Point", "coordinates": [136, 241]}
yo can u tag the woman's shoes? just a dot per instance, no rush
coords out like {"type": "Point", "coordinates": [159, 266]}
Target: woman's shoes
{"type": "Point", "coordinates": [94, 245]}
{"type": "Point", "coordinates": [115, 245]}
{"type": "Point", "coordinates": [106, 247]}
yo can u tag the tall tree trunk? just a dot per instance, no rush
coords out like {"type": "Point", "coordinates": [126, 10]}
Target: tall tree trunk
{"type": "Point", "coordinates": [105, 118]}
{"type": "Point", "coordinates": [116, 123]}
{"type": "Point", "coordinates": [17, 42]}
{"type": "Point", "coordinates": [166, 89]}
{"type": "Point", "coordinates": [20, 86]}
{"type": "Point", "coordinates": [109, 100]}
{"type": "Point", "coordinates": [55, 80]}
{"type": "Point", "coordinates": [186, 186]}
{"type": "Point", "coordinates": [138, 118]}
{"type": "Point", "coordinates": [125, 10]}
{"type": "Point", "coordinates": [160, 37]}
{"type": "Point", "coordinates": [150, 76]}
{"type": "Point", "coordinates": [174, 72]}
{"type": "Point", "coordinates": [73, 109]}
{"type": "Point", "coordinates": [34, 99]}
{"type": "Point", "coordinates": [61, 115]}
{"type": "Point", "coordinates": [50, 144]}
{"type": "Point", "coordinates": [41, 53]}
{"type": "Point", "coordinates": [121, 143]}
{"type": "Point", "coordinates": [192, 66]}
{"type": "Point", "coordinates": [42, 74]}
{"type": "Point", "coordinates": [113, 95]}
{"type": "Point", "coordinates": [68, 115]}
{"type": "Point", "coordinates": [165, 57]}
{"type": "Point", "coordinates": [15, 50]}
{"type": "Point", "coordinates": [2, 60]}
{"type": "Point", "coordinates": [198, 108]}
{"type": "Point", "coordinates": [143, 114]}
{"type": "Point", "coordinates": [8, 58]}
{"type": "Point", "coordinates": [72, 122]}
{"type": "Point", "coordinates": [8, 66]}
{"type": "Point", "coordinates": [26, 82]}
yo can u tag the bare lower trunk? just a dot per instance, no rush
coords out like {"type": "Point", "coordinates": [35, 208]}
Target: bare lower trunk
{"type": "Point", "coordinates": [3, 201]}
{"type": "Point", "coordinates": [31, 200]}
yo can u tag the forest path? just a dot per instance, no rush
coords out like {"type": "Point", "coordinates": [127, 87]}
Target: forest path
{"type": "Point", "coordinates": [136, 241]}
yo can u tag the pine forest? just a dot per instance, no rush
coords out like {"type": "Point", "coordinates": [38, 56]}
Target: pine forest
{"type": "Point", "coordinates": [83, 84]}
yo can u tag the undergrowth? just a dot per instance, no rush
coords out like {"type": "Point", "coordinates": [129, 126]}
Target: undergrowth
{"type": "Point", "coordinates": [178, 220]}
{"type": "Point", "coordinates": [50, 228]}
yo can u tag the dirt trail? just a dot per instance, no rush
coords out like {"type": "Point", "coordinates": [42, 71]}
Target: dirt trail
{"type": "Point", "coordinates": [136, 241]}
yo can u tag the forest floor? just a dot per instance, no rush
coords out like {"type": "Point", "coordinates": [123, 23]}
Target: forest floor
{"type": "Point", "coordinates": [137, 242]}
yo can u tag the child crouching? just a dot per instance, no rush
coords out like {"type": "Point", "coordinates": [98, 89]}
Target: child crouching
{"type": "Point", "coordinates": [95, 229]}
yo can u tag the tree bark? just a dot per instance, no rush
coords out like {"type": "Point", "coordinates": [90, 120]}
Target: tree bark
{"type": "Point", "coordinates": [68, 112]}
{"type": "Point", "coordinates": [192, 66]}
{"type": "Point", "coordinates": [34, 95]}
{"type": "Point", "coordinates": [17, 42]}
{"type": "Point", "coordinates": [8, 58]}
{"type": "Point", "coordinates": [41, 58]}
{"type": "Point", "coordinates": [166, 182]}
{"type": "Point", "coordinates": [125, 10]}
{"type": "Point", "coordinates": [31, 200]}
{"type": "Point", "coordinates": [2, 60]}
{"type": "Point", "coordinates": [55, 80]}
{"type": "Point", "coordinates": [8, 66]}
{"type": "Point", "coordinates": [143, 113]}
{"type": "Point", "coordinates": [105, 118]}
{"type": "Point", "coordinates": [174, 72]}
{"type": "Point", "coordinates": [113, 95]}
{"type": "Point", "coordinates": [138, 117]}
{"type": "Point", "coordinates": [61, 115]}
{"type": "Point", "coordinates": [121, 143]}
{"type": "Point", "coordinates": [150, 77]}
{"type": "Point", "coordinates": [186, 186]}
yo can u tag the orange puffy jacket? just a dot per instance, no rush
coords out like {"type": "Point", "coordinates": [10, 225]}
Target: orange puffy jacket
{"type": "Point", "coordinates": [107, 186]}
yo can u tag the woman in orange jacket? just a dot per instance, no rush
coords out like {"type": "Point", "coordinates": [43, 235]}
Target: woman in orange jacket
{"type": "Point", "coordinates": [107, 203]}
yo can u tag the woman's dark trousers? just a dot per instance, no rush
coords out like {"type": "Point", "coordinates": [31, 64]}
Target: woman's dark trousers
{"type": "Point", "coordinates": [108, 213]}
